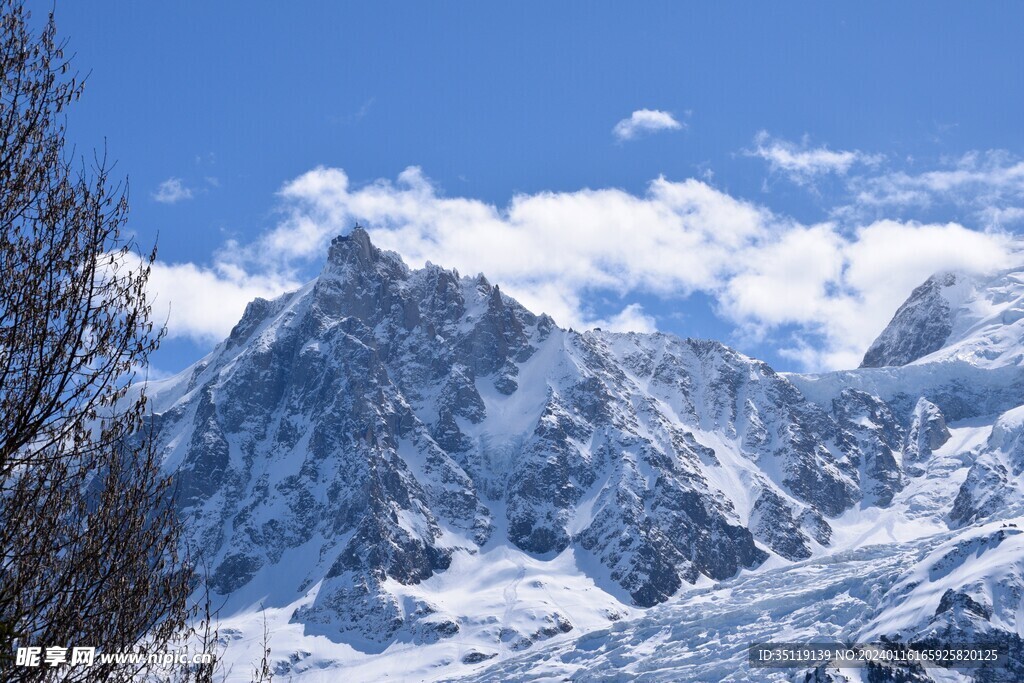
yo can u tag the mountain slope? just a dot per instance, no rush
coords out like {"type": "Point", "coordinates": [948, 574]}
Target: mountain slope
{"type": "Point", "coordinates": [410, 472]}
{"type": "Point", "coordinates": [956, 316]}
{"type": "Point", "coordinates": [929, 567]}
{"type": "Point", "coordinates": [970, 370]}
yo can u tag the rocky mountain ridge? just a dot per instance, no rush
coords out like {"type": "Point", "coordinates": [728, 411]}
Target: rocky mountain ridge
{"type": "Point", "coordinates": [356, 448]}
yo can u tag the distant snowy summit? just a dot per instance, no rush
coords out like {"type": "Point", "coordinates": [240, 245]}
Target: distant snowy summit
{"type": "Point", "coordinates": [411, 473]}
{"type": "Point", "coordinates": [956, 316]}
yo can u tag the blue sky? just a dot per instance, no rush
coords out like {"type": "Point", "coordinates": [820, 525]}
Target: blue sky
{"type": "Point", "coordinates": [802, 167]}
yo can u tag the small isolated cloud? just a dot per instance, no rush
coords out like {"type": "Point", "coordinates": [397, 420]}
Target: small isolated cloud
{"type": "Point", "coordinates": [630, 319]}
{"type": "Point", "coordinates": [171, 191]}
{"type": "Point", "coordinates": [645, 121]}
{"type": "Point", "coordinates": [801, 162]}
{"type": "Point", "coordinates": [363, 110]}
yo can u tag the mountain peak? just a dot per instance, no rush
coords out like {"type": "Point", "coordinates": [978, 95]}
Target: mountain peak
{"type": "Point", "coordinates": [978, 319]}
{"type": "Point", "coordinates": [921, 325]}
{"type": "Point", "coordinates": [355, 247]}
{"type": "Point", "coordinates": [353, 257]}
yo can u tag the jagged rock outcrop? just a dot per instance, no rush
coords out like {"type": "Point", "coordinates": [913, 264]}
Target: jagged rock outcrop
{"type": "Point", "coordinates": [921, 325]}
{"type": "Point", "coordinates": [994, 486]}
{"type": "Point", "coordinates": [877, 438]}
{"type": "Point", "coordinates": [927, 432]}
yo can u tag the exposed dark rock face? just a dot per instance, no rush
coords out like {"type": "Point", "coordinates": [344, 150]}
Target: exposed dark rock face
{"type": "Point", "coordinates": [995, 482]}
{"type": "Point", "coordinates": [816, 526]}
{"type": "Point", "coordinates": [961, 601]}
{"type": "Point", "coordinates": [927, 433]}
{"type": "Point", "coordinates": [772, 522]}
{"type": "Point", "coordinates": [206, 467]}
{"type": "Point", "coordinates": [921, 326]}
{"type": "Point", "coordinates": [877, 437]}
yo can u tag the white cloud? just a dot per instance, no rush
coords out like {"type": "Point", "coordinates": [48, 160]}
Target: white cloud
{"type": "Point", "coordinates": [205, 303]}
{"type": "Point", "coordinates": [997, 217]}
{"type": "Point", "coordinates": [171, 191]}
{"type": "Point", "coordinates": [819, 293]}
{"type": "Point", "coordinates": [547, 249]}
{"type": "Point", "coordinates": [630, 319]}
{"type": "Point", "coordinates": [552, 250]}
{"type": "Point", "coordinates": [149, 372]}
{"type": "Point", "coordinates": [991, 184]}
{"type": "Point", "coordinates": [645, 121]}
{"type": "Point", "coordinates": [801, 162]}
{"type": "Point", "coordinates": [842, 290]}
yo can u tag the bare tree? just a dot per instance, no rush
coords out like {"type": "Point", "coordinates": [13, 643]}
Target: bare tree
{"type": "Point", "coordinates": [262, 672]}
{"type": "Point", "coordinates": [89, 542]}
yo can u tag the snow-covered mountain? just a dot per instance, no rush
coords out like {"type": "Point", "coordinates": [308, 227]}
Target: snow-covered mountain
{"type": "Point", "coordinates": [405, 472]}
{"type": "Point", "coordinates": [956, 316]}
